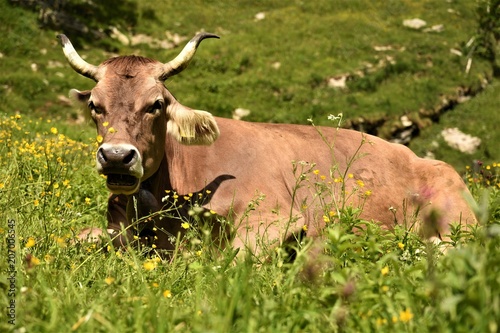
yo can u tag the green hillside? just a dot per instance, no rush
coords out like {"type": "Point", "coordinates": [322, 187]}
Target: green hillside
{"type": "Point", "coordinates": [276, 59]}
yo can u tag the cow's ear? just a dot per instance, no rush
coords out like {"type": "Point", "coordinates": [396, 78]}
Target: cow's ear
{"type": "Point", "coordinates": [79, 96]}
{"type": "Point", "coordinates": [82, 99]}
{"type": "Point", "coordinates": [191, 127]}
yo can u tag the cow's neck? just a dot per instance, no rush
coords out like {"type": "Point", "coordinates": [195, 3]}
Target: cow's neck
{"type": "Point", "coordinates": [170, 173]}
{"type": "Point", "coordinates": [159, 181]}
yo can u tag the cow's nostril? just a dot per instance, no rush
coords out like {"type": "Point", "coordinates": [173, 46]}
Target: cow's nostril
{"type": "Point", "coordinates": [101, 155]}
{"type": "Point", "coordinates": [129, 157]}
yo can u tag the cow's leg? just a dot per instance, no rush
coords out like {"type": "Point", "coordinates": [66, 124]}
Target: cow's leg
{"type": "Point", "coordinates": [118, 225]}
{"type": "Point", "coordinates": [90, 235]}
{"type": "Point", "coordinates": [116, 218]}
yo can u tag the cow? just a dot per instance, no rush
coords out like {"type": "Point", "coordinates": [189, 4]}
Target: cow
{"type": "Point", "coordinates": [167, 164]}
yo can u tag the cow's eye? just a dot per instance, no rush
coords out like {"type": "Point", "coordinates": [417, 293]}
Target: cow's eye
{"type": "Point", "coordinates": [94, 109]}
{"type": "Point", "coordinates": [155, 108]}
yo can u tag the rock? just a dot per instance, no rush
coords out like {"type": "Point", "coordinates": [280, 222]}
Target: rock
{"type": "Point", "coordinates": [118, 35]}
{"type": "Point", "coordinates": [429, 155]}
{"type": "Point", "coordinates": [415, 23]}
{"type": "Point", "coordinates": [260, 16]}
{"type": "Point", "coordinates": [382, 48]}
{"type": "Point", "coordinates": [55, 64]}
{"type": "Point", "coordinates": [153, 42]}
{"type": "Point", "coordinates": [456, 139]}
{"type": "Point", "coordinates": [435, 28]}
{"type": "Point", "coordinates": [405, 121]}
{"type": "Point", "coordinates": [175, 37]}
{"type": "Point", "coordinates": [240, 113]}
{"type": "Point", "coordinates": [338, 82]}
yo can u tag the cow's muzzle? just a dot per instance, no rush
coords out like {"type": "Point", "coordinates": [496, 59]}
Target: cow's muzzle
{"type": "Point", "coordinates": [122, 164]}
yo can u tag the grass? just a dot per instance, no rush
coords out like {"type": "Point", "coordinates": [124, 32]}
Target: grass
{"type": "Point", "coordinates": [373, 280]}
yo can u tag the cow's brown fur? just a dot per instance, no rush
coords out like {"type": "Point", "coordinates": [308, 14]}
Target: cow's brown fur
{"type": "Point", "coordinates": [254, 160]}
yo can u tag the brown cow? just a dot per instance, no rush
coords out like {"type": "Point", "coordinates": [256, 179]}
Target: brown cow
{"type": "Point", "coordinates": [162, 160]}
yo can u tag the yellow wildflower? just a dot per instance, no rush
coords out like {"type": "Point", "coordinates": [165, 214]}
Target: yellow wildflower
{"type": "Point", "coordinates": [53, 130]}
{"type": "Point", "coordinates": [35, 261]}
{"type": "Point", "coordinates": [381, 321]}
{"type": "Point", "coordinates": [36, 202]}
{"type": "Point", "coordinates": [350, 175]}
{"type": "Point", "coordinates": [385, 289]}
{"type": "Point", "coordinates": [87, 201]}
{"type": "Point", "coordinates": [405, 316]}
{"type": "Point", "coordinates": [149, 265]}
{"type": "Point", "coordinates": [360, 183]}
{"type": "Point", "coordinates": [99, 138]}
{"type": "Point", "coordinates": [111, 130]}
{"type": "Point", "coordinates": [105, 124]}
{"type": "Point", "coordinates": [31, 242]}
{"type": "Point", "coordinates": [385, 270]}
{"type": "Point", "coordinates": [61, 241]}
{"type": "Point", "coordinates": [368, 193]}
{"type": "Point", "coordinates": [109, 280]}
{"type": "Point", "coordinates": [316, 172]}
{"type": "Point", "coordinates": [185, 225]}
{"type": "Point", "coordinates": [401, 245]}
{"type": "Point", "coordinates": [167, 294]}
{"type": "Point", "coordinates": [304, 227]}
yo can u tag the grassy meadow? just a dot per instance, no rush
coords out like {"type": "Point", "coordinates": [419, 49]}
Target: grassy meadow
{"type": "Point", "coordinates": [371, 280]}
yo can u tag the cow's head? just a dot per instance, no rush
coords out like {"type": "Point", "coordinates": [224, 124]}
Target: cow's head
{"type": "Point", "coordinates": [133, 112]}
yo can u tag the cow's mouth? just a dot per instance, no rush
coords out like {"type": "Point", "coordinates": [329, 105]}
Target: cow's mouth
{"type": "Point", "coordinates": [121, 183]}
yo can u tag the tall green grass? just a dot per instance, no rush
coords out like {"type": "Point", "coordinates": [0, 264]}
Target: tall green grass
{"type": "Point", "coordinates": [368, 280]}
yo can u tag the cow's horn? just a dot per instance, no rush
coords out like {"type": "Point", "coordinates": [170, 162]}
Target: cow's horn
{"type": "Point", "coordinates": [180, 62]}
{"type": "Point", "coordinates": [79, 65]}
